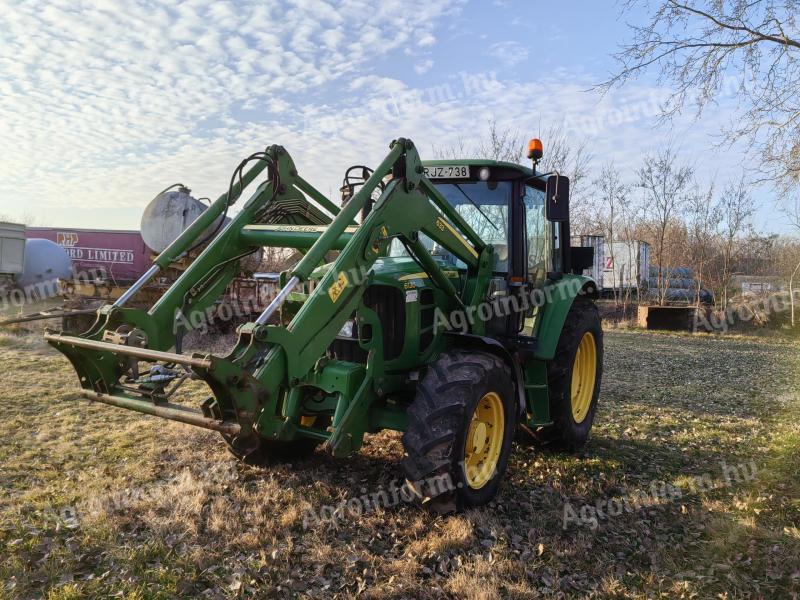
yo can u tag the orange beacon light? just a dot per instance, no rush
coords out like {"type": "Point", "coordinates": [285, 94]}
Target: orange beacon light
{"type": "Point", "coordinates": [535, 149]}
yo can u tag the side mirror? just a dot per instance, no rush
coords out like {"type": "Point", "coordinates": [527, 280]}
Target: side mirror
{"type": "Point", "coordinates": [557, 198]}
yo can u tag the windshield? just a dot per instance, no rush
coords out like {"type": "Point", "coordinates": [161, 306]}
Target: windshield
{"type": "Point", "coordinates": [484, 207]}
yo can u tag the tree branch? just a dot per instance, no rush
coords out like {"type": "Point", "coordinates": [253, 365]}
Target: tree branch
{"type": "Point", "coordinates": [757, 34]}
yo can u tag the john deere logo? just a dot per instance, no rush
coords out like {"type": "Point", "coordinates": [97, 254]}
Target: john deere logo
{"type": "Point", "coordinates": [338, 287]}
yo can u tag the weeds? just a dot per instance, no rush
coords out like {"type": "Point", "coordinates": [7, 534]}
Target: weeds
{"type": "Point", "coordinates": [99, 501]}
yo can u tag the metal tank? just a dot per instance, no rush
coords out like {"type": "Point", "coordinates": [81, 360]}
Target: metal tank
{"type": "Point", "coordinates": [173, 211]}
{"type": "Point", "coordinates": [45, 263]}
{"type": "Point", "coordinates": [169, 214]}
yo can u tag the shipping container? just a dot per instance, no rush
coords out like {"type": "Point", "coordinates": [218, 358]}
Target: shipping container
{"type": "Point", "coordinates": [118, 256]}
{"type": "Point", "coordinates": [618, 265]}
{"type": "Point", "coordinates": [12, 249]}
{"type": "Point", "coordinates": [627, 265]}
{"type": "Point", "coordinates": [599, 244]}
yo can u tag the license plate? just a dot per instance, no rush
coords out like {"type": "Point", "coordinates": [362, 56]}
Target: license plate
{"type": "Point", "coordinates": [447, 172]}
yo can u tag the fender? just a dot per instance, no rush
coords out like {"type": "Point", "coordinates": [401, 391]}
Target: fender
{"type": "Point", "coordinates": [559, 296]}
{"type": "Point", "coordinates": [487, 344]}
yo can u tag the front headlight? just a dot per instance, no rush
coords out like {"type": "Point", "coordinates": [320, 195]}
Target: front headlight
{"type": "Point", "coordinates": [347, 330]}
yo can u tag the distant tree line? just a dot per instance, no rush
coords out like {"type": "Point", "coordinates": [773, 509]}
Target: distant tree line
{"type": "Point", "coordinates": [700, 49]}
{"type": "Point", "coordinates": [700, 226]}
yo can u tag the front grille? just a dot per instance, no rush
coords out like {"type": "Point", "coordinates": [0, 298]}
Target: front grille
{"type": "Point", "coordinates": [389, 304]}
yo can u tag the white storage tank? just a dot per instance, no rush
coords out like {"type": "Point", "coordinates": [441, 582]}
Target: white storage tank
{"type": "Point", "coordinates": [171, 212]}
{"type": "Point", "coordinates": [168, 215]}
{"type": "Point", "coordinates": [45, 263]}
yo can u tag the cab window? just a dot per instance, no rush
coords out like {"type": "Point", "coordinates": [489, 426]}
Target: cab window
{"type": "Point", "coordinates": [484, 205]}
{"type": "Point", "coordinates": [536, 235]}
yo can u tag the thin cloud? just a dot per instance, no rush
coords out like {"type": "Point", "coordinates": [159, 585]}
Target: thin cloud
{"type": "Point", "coordinates": [423, 67]}
{"type": "Point", "coordinates": [166, 94]}
{"type": "Point", "coordinates": [91, 93]}
{"type": "Point", "coordinates": [509, 53]}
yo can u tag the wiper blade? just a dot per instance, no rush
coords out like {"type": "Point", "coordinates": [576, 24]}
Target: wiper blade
{"type": "Point", "coordinates": [471, 201]}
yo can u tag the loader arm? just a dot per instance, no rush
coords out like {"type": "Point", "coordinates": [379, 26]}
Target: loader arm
{"type": "Point", "coordinates": [259, 388]}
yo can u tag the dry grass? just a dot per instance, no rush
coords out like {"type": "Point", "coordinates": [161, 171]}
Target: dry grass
{"type": "Point", "coordinates": [98, 501]}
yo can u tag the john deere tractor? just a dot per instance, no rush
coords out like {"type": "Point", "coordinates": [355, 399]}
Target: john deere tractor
{"type": "Point", "coordinates": [454, 310]}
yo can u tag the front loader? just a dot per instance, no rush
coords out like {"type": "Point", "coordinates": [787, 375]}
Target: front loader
{"type": "Point", "coordinates": [454, 311]}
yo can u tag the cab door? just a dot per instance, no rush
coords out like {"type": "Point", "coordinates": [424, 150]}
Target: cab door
{"type": "Point", "coordinates": [536, 248]}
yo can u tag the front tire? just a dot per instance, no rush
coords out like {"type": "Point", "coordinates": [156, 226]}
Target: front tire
{"type": "Point", "coordinates": [461, 426]}
{"type": "Point", "coordinates": [575, 373]}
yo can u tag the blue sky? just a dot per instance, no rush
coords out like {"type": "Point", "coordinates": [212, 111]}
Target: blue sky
{"type": "Point", "coordinates": [104, 103]}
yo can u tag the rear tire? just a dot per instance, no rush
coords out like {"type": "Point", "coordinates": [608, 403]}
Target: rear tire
{"type": "Point", "coordinates": [574, 375]}
{"type": "Point", "coordinates": [460, 429]}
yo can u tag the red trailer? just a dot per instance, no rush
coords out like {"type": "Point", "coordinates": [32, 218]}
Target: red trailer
{"type": "Point", "coordinates": [119, 256]}
{"type": "Point", "coordinates": [106, 262]}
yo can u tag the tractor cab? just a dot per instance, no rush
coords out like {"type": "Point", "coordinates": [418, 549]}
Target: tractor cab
{"type": "Point", "coordinates": [506, 204]}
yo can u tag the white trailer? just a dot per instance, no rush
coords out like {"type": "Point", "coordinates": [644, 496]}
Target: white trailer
{"type": "Point", "coordinates": [599, 244]}
{"type": "Point", "coordinates": [618, 265]}
{"type": "Point", "coordinates": [12, 255]}
{"type": "Point", "coordinates": [12, 249]}
{"type": "Point", "coordinates": [627, 265]}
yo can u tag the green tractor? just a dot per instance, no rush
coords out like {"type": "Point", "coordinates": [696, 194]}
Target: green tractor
{"type": "Point", "coordinates": [454, 311]}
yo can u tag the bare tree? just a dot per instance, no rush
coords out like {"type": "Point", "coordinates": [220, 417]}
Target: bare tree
{"type": "Point", "coordinates": [666, 185]}
{"type": "Point", "coordinates": [629, 221]}
{"type": "Point", "coordinates": [703, 218]}
{"type": "Point", "coordinates": [458, 148]}
{"type": "Point", "coordinates": [572, 158]}
{"type": "Point", "coordinates": [612, 194]}
{"type": "Point", "coordinates": [702, 49]}
{"type": "Point", "coordinates": [502, 144]}
{"type": "Point", "coordinates": [737, 209]}
{"type": "Point", "coordinates": [27, 219]}
{"type": "Point", "coordinates": [793, 213]}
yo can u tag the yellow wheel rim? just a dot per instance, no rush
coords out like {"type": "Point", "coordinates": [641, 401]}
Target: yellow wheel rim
{"type": "Point", "coordinates": [484, 441]}
{"type": "Point", "coordinates": [584, 374]}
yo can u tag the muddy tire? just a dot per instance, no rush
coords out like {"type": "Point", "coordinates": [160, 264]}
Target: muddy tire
{"type": "Point", "coordinates": [574, 376]}
{"type": "Point", "coordinates": [460, 430]}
